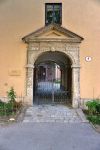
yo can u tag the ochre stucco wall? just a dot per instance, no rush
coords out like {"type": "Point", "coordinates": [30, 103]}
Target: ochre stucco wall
{"type": "Point", "coordinates": [18, 18]}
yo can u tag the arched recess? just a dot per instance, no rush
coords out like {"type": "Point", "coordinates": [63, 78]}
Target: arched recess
{"type": "Point", "coordinates": [64, 57]}
{"type": "Point", "coordinates": [52, 78]}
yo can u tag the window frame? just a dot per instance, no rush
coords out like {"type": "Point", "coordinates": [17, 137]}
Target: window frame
{"type": "Point", "coordinates": [60, 4]}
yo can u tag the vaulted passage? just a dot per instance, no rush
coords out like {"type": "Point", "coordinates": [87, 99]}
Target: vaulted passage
{"type": "Point", "coordinates": [52, 78]}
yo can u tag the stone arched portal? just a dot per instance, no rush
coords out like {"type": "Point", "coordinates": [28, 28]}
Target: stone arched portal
{"type": "Point", "coordinates": [52, 82]}
{"type": "Point", "coordinates": [53, 38]}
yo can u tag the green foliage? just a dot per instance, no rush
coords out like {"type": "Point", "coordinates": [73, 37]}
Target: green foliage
{"type": "Point", "coordinates": [98, 108]}
{"type": "Point", "coordinates": [1, 104]}
{"type": "Point", "coordinates": [5, 108]}
{"type": "Point", "coordinates": [58, 81]}
{"type": "Point", "coordinates": [93, 106]}
{"type": "Point", "coordinates": [11, 107]}
{"type": "Point", "coordinates": [94, 119]}
{"type": "Point", "coordinates": [93, 111]}
{"type": "Point", "coordinates": [11, 95]}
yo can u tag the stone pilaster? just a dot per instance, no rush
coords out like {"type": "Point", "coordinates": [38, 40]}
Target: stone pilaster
{"type": "Point", "coordinates": [29, 89]}
{"type": "Point", "coordinates": [75, 86]}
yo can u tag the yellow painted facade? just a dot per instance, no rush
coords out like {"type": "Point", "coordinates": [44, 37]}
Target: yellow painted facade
{"type": "Point", "coordinates": [18, 18]}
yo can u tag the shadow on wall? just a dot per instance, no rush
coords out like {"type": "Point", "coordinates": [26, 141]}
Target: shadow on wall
{"type": "Point", "coordinates": [2, 1]}
{"type": "Point", "coordinates": [98, 1]}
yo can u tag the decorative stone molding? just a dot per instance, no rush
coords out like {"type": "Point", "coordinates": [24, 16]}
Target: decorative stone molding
{"type": "Point", "coordinates": [29, 66]}
{"type": "Point", "coordinates": [68, 45]}
{"type": "Point", "coordinates": [75, 74]}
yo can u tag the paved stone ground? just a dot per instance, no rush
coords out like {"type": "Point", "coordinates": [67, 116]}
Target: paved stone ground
{"type": "Point", "coordinates": [49, 136]}
{"type": "Point", "coordinates": [50, 128]}
{"type": "Point", "coordinates": [53, 113]}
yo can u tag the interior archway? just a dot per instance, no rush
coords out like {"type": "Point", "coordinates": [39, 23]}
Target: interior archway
{"type": "Point", "coordinates": [52, 78]}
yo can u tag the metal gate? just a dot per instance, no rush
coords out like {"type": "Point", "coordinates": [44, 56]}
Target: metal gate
{"type": "Point", "coordinates": [49, 84]}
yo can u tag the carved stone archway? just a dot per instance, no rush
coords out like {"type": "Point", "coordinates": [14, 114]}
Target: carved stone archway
{"type": "Point", "coordinates": [54, 38]}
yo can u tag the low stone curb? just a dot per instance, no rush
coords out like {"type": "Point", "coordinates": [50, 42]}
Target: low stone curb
{"type": "Point", "coordinates": [94, 127]}
{"type": "Point", "coordinates": [81, 115]}
{"type": "Point", "coordinates": [22, 114]}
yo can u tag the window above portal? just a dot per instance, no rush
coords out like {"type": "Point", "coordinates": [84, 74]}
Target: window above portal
{"type": "Point", "coordinates": [53, 13]}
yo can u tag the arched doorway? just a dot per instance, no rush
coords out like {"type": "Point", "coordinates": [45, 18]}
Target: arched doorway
{"type": "Point", "coordinates": [65, 45]}
{"type": "Point", "coordinates": [52, 78]}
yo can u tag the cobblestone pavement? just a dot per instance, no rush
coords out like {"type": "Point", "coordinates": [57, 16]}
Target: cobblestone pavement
{"type": "Point", "coordinates": [52, 113]}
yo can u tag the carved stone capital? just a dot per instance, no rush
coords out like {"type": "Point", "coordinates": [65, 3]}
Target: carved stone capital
{"type": "Point", "coordinates": [75, 66]}
{"type": "Point", "coordinates": [29, 66]}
